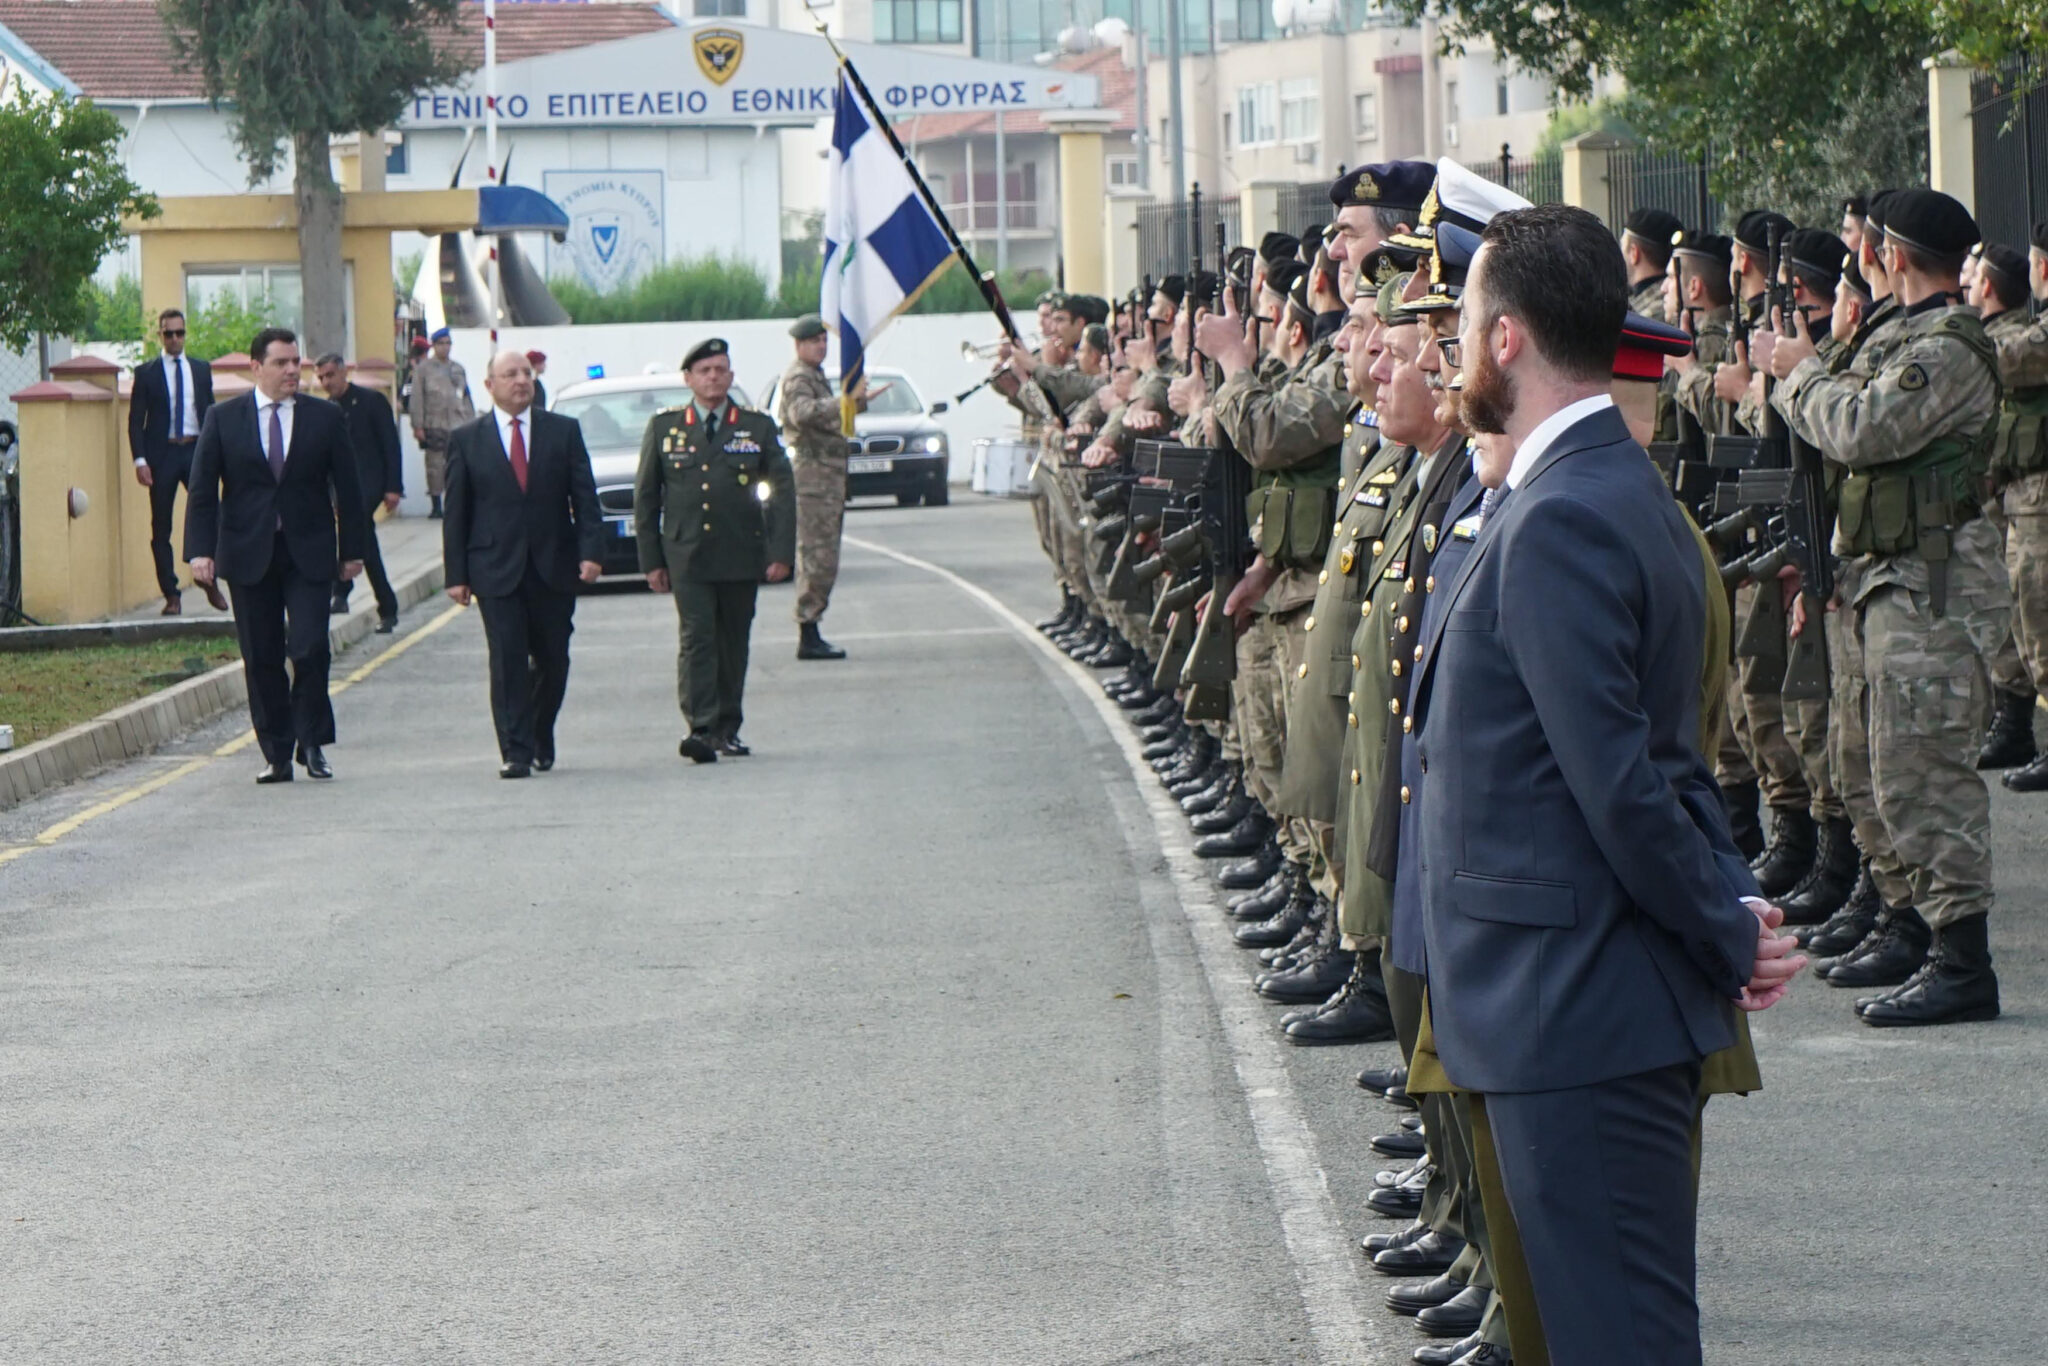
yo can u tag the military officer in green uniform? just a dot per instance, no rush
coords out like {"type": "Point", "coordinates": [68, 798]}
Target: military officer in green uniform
{"type": "Point", "coordinates": [714, 511]}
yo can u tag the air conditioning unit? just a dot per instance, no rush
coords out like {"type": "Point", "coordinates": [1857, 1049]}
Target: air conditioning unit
{"type": "Point", "coordinates": [1305, 153]}
{"type": "Point", "coordinates": [1450, 135]}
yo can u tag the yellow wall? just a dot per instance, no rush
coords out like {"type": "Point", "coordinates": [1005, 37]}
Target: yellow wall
{"type": "Point", "coordinates": [69, 566]}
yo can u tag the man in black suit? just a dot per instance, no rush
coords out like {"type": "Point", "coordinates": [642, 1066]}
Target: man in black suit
{"type": "Point", "coordinates": [521, 528]}
{"type": "Point", "coordinates": [380, 463]}
{"type": "Point", "coordinates": [166, 409]}
{"type": "Point", "coordinates": [272, 474]}
{"type": "Point", "coordinates": [1586, 917]}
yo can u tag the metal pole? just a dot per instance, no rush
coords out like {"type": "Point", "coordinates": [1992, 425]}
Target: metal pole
{"type": "Point", "coordinates": [1002, 199]}
{"type": "Point", "coordinates": [1177, 150]}
{"type": "Point", "coordinates": [491, 153]}
{"type": "Point", "coordinates": [1144, 138]}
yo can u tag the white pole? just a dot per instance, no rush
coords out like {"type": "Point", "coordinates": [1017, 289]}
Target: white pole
{"type": "Point", "coordinates": [491, 152]}
{"type": "Point", "coordinates": [1002, 199]}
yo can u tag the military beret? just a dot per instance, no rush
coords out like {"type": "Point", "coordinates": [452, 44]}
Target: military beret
{"type": "Point", "coordinates": [443, 334]}
{"type": "Point", "coordinates": [2040, 238]}
{"type": "Point", "coordinates": [1710, 247]}
{"type": "Point", "coordinates": [536, 357]}
{"type": "Point", "coordinates": [1449, 263]}
{"type": "Point", "coordinates": [1204, 287]}
{"type": "Point", "coordinates": [1754, 229]}
{"type": "Point", "coordinates": [1466, 199]}
{"type": "Point", "coordinates": [1388, 306]}
{"type": "Point", "coordinates": [419, 346]}
{"type": "Point", "coordinates": [1874, 214]}
{"type": "Point", "coordinates": [1654, 228]}
{"type": "Point", "coordinates": [1238, 265]}
{"type": "Point", "coordinates": [1297, 298]}
{"type": "Point", "coordinates": [1174, 287]}
{"type": "Point", "coordinates": [1856, 206]}
{"type": "Point", "coordinates": [705, 350]}
{"type": "Point", "coordinates": [1087, 307]}
{"type": "Point", "coordinates": [808, 326]}
{"type": "Point", "coordinates": [1645, 343]}
{"type": "Point", "coordinates": [1384, 185]}
{"type": "Point", "coordinates": [1311, 241]}
{"type": "Point", "coordinates": [1930, 221]}
{"type": "Point", "coordinates": [1275, 246]}
{"type": "Point", "coordinates": [1816, 253]}
{"type": "Point", "coordinates": [1281, 276]}
{"type": "Point", "coordinates": [1852, 275]}
{"type": "Point", "coordinates": [2011, 269]}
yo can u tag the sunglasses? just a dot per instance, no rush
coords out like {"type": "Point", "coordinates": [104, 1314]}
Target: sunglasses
{"type": "Point", "coordinates": [173, 332]}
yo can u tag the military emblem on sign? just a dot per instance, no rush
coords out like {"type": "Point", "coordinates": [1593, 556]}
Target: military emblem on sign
{"type": "Point", "coordinates": [718, 53]}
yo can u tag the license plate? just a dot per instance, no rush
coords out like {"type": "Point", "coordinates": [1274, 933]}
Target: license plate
{"type": "Point", "coordinates": [625, 529]}
{"type": "Point", "coordinates": [870, 465]}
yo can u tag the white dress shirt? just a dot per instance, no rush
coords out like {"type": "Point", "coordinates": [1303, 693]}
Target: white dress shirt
{"type": "Point", "coordinates": [505, 432]}
{"type": "Point", "coordinates": [1539, 442]}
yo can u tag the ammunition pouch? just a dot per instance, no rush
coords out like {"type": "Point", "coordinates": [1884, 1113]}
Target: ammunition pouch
{"type": "Point", "coordinates": [1910, 507]}
{"type": "Point", "coordinates": [2020, 446]}
{"type": "Point", "coordinates": [1291, 512]}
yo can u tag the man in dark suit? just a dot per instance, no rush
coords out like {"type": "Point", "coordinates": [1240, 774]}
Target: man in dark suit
{"type": "Point", "coordinates": [380, 466]}
{"type": "Point", "coordinates": [521, 528]}
{"type": "Point", "coordinates": [166, 409]}
{"type": "Point", "coordinates": [1586, 915]}
{"type": "Point", "coordinates": [272, 475]}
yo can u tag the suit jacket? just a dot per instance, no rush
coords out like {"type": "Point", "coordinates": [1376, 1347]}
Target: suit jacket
{"type": "Point", "coordinates": [373, 432]}
{"type": "Point", "coordinates": [1576, 863]}
{"type": "Point", "coordinates": [237, 508]}
{"type": "Point", "coordinates": [697, 505]}
{"type": "Point", "coordinates": [149, 407]}
{"type": "Point", "coordinates": [492, 531]}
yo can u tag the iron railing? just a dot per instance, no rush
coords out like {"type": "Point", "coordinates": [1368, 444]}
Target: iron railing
{"type": "Point", "coordinates": [1645, 178]}
{"type": "Point", "coordinates": [1166, 240]}
{"type": "Point", "coordinates": [2009, 110]}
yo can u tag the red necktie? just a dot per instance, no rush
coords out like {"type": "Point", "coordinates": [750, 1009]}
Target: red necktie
{"type": "Point", "coordinates": [518, 454]}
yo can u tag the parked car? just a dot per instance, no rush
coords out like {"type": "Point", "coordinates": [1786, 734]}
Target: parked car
{"type": "Point", "coordinates": [614, 414]}
{"type": "Point", "coordinates": [897, 448]}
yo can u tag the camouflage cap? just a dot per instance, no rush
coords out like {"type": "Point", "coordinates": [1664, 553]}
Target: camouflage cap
{"type": "Point", "coordinates": [808, 326]}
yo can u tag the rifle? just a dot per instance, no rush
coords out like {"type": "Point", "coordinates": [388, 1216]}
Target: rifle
{"type": "Point", "coordinates": [1204, 540]}
{"type": "Point", "coordinates": [1684, 461]}
{"type": "Point", "coordinates": [1189, 300]}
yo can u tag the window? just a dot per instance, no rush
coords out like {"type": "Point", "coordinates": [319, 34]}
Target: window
{"type": "Point", "coordinates": [1500, 96]}
{"type": "Point", "coordinates": [397, 158]}
{"type": "Point", "coordinates": [1451, 103]}
{"type": "Point", "coordinates": [1123, 172]}
{"type": "Point", "coordinates": [1258, 114]}
{"type": "Point", "coordinates": [1365, 115]}
{"type": "Point", "coordinates": [273, 291]}
{"type": "Point", "coordinates": [721, 9]}
{"type": "Point", "coordinates": [1301, 114]}
{"type": "Point", "coordinates": [917, 21]}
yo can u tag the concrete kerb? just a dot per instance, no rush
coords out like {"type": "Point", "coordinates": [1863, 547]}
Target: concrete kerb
{"type": "Point", "coordinates": [141, 726]}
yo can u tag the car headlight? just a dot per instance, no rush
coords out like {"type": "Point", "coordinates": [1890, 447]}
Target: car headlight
{"type": "Point", "coordinates": [934, 444]}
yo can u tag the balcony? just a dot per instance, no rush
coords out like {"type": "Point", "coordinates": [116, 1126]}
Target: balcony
{"type": "Point", "coordinates": [980, 219]}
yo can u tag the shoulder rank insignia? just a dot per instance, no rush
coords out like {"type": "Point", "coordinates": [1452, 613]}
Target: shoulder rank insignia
{"type": "Point", "coordinates": [1385, 476]}
{"type": "Point", "coordinates": [1466, 528]}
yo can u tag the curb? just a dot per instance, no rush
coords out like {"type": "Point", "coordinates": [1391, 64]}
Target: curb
{"type": "Point", "coordinates": [91, 633]}
{"type": "Point", "coordinates": [140, 726]}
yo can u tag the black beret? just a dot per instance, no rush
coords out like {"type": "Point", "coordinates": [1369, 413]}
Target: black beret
{"type": "Point", "coordinates": [1204, 287]}
{"type": "Point", "coordinates": [1097, 336]}
{"type": "Point", "coordinates": [1707, 246]}
{"type": "Point", "coordinates": [1311, 241]}
{"type": "Point", "coordinates": [1281, 275]}
{"type": "Point", "coordinates": [1856, 206]}
{"type": "Point", "coordinates": [1174, 287]}
{"type": "Point", "coordinates": [1754, 229]}
{"type": "Point", "coordinates": [1384, 185]}
{"type": "Point", "coordinates": [2040, 238]}
{"type": "Point", "coordinates": [704, 350]}
{"type": "Point", "coordinates": [1239, 264]}
{"type": "Point", "coordinates": [2011, 269]}
{"type": "Point", "coordinates": [1930, 221]}
{"type": "Point", "coordinates": [1852, 275]}
{"type": "Point", "coordinates": [1297, 298]}
{"type": "Point", "coordinates": [1655, 227]}
{"type": "Point", "coordinates": [1816, 253]}
{"type": "Point", "coordinates": [1276, 246]}
{"type": "Point", "coordinates": [1879, 204]}
{"type": "Point", "coordinates": [1087, 308]}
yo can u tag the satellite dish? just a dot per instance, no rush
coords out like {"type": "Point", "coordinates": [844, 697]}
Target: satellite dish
{"type": "Point", "coordinates": [1111, 32]}
{"type": "Point", "coordinates": [1075, 39]}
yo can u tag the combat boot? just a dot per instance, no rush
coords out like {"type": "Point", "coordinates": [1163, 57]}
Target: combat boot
{"type": "Point", "coordinates": [1235, 805]}
{"type": "Point", "coordinates": [1200, 752]}
{"type": "Point", "coordinates": [1742, 800]}
{"type": "Point", "coordinates": [2032, 778]}
{"type": "Point", "coordinates": [1070, 607]}
{"type": "Point", "coordinates": [1252, 870]}
{"type": "Point", "coordinates": [1358, 1013]}
{"type": "Point", "coordinates": [1827, 884]}
{"type": "Point", "coordinates": [1845, 929]}
{"type": "Point", "coordinates": [2010, 741]}
{"type": "Point", "coordinates": [1092, 636]}
{"type": "Point", "coordinates": [1161, 710]}
{"type": "Point", "coordinates": [1956, 986]}
{"type": "Point", "coordinates": [1074, 630]}
{"type": "Point", "coordinates": [1255, 829]}
{"type": "Point", "coordinates": [1197, 779]}
{"type": "Point", "coordinates": [812, 645]}
{"type": "Point", "coordinates": [1888, 955]}
{"type": "Point", "coordinates": [1228, 781]}
{"type": "Point", "coordinates": [1115, 652]}
{"type": "Point", "coordinates": [1281, 926]}
{"type": "Point", "coordinates": [1789, 857]}
{"type": "Point", "coordinates": [1268, 897]}
{"type": "Point", "coordinates": [1312, 979]}
{"type": "Point", "coordinates": [1317, 935]}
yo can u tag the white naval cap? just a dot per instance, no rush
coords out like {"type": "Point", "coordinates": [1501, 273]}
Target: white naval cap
{"type": "Point", "coordinates": [1466, 199]}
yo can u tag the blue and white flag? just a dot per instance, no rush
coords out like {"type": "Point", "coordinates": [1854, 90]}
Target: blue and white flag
{"type": "Point", "coordinates": [883, 248]}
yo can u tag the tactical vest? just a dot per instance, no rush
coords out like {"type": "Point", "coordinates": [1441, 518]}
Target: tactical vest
{"type": "Point", "coordinates": [1914, 505]}
{"type": "Point", "coordinates": [1292, 511]}
{"type": "Point", "coordinates": [2020, 446]}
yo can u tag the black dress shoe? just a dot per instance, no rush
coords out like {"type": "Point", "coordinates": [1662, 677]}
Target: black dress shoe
{"type": "Point", "coordinates": [1445, 1353]}
{"type": "Point", "coordinates": [542, 763]}
{"type": "Point", "coordinates": [275, 773]}
{"type": "Point", "coordinates": [337, 607]}
{"type": "Point", "coordinates": [1311, 980]}
{"type": "Point", "coordinates": [1395, 1202]}
{"type": "Point", "coordinates": [733, 746]}
{"type": "Point", "coordinates": [513, 768]}
{"type": "Point", "coordinates": [2032, 778]}
{"type": "Point", "coordinates": [1398, 1097]}
{"type": "Point", "coordinates": [1428, 1255]}
{"type": "Point", "coordinates": [1374, 1244]}
{"type": "Point", "coordinates": [315, 762]}
{"type": "Point", "coordinates": [1379, 1080]}
{"type": "Point", "coordinates": [1956, 987]}
{"type": "Point", "coordinates": [1485, 1354]}
{"type": "Point", "coordinates": [1457, 1317]}
{"type": "Point", "coordinates": [1412, 1297]}
{"type": "Point", "coordinates": [1358, 1013]}
{"type": "Point", "coordinates": [1400, 1143]}
{"type": "Point", "coordinates": [386, 625]}
{"type": "Point", "coordinates": [699, 748]}
{"type": "Point", "coordinates": [1255, 829]}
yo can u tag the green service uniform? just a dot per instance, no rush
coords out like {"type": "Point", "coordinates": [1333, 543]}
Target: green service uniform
{"type": "Point", "coordinates": [699, 513]}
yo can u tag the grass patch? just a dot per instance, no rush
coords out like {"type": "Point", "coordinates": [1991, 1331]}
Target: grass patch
{"type": "Point", "coordinates": [45, 691]}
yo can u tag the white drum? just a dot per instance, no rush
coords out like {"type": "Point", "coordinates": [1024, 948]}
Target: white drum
{"type": "Point", "coordinates": [1002, 467]}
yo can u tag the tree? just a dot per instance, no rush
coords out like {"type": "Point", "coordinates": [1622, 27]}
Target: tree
{"type": "Point", "coordinates": [299, 72]}
{"type": "Point", "coordinates": [65, 192]}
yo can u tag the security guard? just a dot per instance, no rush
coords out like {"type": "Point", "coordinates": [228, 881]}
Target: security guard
{"type": "Point", "coordinates": [714, 512]}
{"type": "Point", "coordinates": [809, 412]}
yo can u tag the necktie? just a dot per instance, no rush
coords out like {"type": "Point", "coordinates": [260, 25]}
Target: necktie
{"type": "Point", "coordinates": [1489, 501]}
{"type": "Point", "coordinates": [711, 425]}
{"type": "Point", "coordinates": [276, 443]}
{"type": "Point", "coordinates": [177, 399]}
{"type": "Point", "coordinates": [518, 455]}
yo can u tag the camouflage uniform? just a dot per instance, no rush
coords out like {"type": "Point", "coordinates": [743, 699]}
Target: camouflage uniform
{"type": "Point", "coordinates": [2020, 475]}
{"type": "Point", "coordinates": [808, 410]}
{"type": "Point", "coordinates": [1060, 487]}
{"type": "Point", "coordinates": [1918, 636]}
{"type": "Point", "coordinates": [1647, 298]}
{"type": "Point", "coordinates": [440, 403]}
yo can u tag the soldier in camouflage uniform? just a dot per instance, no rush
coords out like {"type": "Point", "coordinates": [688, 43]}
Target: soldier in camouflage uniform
{"type": "Point", "coordinates": [1646, 247]}
{"type": "Point", "coordinates": [439, 404]}
{"type": "Point", "coordinates": [1914, 422]}
{"type": "Point", "coordinates": [808, 409]}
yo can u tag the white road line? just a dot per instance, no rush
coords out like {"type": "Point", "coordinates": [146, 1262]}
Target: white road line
{"type": "Point", "coordinates": [1325, 1268]}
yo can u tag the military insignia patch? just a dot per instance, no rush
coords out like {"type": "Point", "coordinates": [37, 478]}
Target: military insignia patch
{"type": "Point", "coordinates": [1367, 189]}
{"type": "Point", "coordinates": [1429, 539]}
{"type": "Point", "coordinates": [718, 53]}
{"type": "Point", "coordinates": [1913, 378]}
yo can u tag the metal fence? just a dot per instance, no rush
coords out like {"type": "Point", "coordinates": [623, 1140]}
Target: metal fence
{"type": "Point", "coordinates": [1645, 178]}
{"type": "Point", "coordinates": [1304, 206]}
{"type": "Point", "coordinates": [1538, 179]}
{"type": "Point", "coordinates": [2009, 108]}
{"type": "Point", "coordinates": [1166, 242]}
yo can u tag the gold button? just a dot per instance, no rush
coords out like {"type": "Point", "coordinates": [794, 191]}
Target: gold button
{"type": "Point", "coordinates": [1347, 429]}
{"type": "Point", "coordinates": [1395, 665]}
{"type": "Point", "coordinates": [1401, 625]}
{"type": "Point", "coordinates": [1309, 625]}
{"type": "Point", "coordinates": [1337, 527]}
{"type": "Point", "coordinates": [1323, 577]}
{"type": "Point", "coordinates": [1354, 664]}
{"type": "Point", "coordinates": [1352, 696]}
{"type": "Point", "coordinates": [1378, 546]}
{"type": "Point", "coordinates": [1429, 584]}
{"type": "Point", "coordinates": [1354, 720]}
{"type": "Point", "coordinates": [1354, 777]}
{"type": "Point", "coordinates": [1409, 586]}
{"type": "Point", "coordinates": [1418, 654]}
{"type": "Point", "coordinates": [1302, 672]}
{"type": "Point", "coordinates": [1394, 705]}
{"type": "Point", "coordinates": [1407, 724]}
{"type": "Point", "coordinates": [1405, 794]}
{"type": "Point", "coordinates": [1365, 608]}
{"type": "Point", "coordinates": [707, 507]}
{"type": "Point", "coordinates": [707, 526]}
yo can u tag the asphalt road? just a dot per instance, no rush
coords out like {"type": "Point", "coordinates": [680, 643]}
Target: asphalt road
{"type": "Point", "coordinates": [912, 1038]}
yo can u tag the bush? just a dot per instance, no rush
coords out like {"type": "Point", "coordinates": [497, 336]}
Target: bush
{"type": "Point", "coordinates": [711, 288]}
{"type": "Point", "coordinates": [113, 312]}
